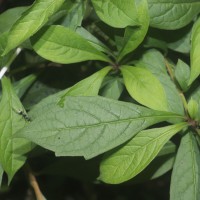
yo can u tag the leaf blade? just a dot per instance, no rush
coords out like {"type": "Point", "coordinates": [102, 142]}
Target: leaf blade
{"type": "Point", "coordinates": [57, 43]}
{"type": "Point", "coordinates": [172, 14]}
{"type": "Point", "coordinates": [116, 13]}
{"type": "Point", "coordinates": [34, 18]}
{"type": "Point", "coordinates": [135, 35]}
{"type": "Point", "coordinates": [144, 87]}
{"type": "Point", "coordinates": [134, 156]}
{"type": "Point", "coordinates": [195, 51]}
{"type": "Point", "coordinates": [11, 150]}
{"type": "Point", "coordinates": [185, 175]}
{"type": "Point", "coordinates": [83, 125]}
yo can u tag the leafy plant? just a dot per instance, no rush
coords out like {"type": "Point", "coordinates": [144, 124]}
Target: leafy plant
{"type": "Point", "coordinates": [138, 100]}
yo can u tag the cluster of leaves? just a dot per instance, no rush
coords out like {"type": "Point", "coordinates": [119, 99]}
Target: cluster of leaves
{"type": "Point", "coordinates": [133, 46]}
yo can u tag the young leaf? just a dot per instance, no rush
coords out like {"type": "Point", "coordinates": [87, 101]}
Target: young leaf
{"type": "Point", "coordinates": [11, 150]}
{"type": "Point", "coordinates": [144, 87]}
{"type": "Point", "coordinates": [182, 74]}
{"type": "Point", "coordinates": [117, 13]}
{"type": "Point", "coordinates": [186, 173]}
{"type": "Point", "coordinates": [63, 45]}
{"type": "Point", "coordinates": [125, 163]}
{"type": "Point", "coordinates": [172, 14]}
{"type": "Point", "coordinates": [135, 35]}
{"type": "Point", "coordinates": [31, 21]}
{"type": "Point", "coordinates": [195, 52]}
{"type": "Point", "coordinates": [89, 126]}
{"type": "Point", "coordinates": [193, 109]}
{"type": "Point", "coordinates": [154, 61]}
{"type": "Point", "coordinates": [87, 87]}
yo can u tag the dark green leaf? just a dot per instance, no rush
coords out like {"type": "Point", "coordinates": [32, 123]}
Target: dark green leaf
{"type": "Point", "coordinates": [172, 14]}
{"type": "Point", "coordinates": [186, 173]}
{"type": "Point", "coordinates": [89, 126]}
{"type": "Point", "coordinates": [195, 52]}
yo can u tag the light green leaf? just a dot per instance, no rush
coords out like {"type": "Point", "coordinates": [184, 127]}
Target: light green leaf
{"type": "Point", "coordinates": [92, 39]}
{"type": "Point", "coordinates": [172, 14]}
{"type": "Point", "coordinates": [186, 173]}
{"type": "Point", "coordinates": [144, 87]}
{"type": "Point", "coordinates": [182, 74]}
{"type": "Point", "coordinates": [135, 35]}
{"type": "Point", "coordinates": [31, 21]}
{"type": "Point", "coordinates": [87, 87]}
{"type": "Point", "coordinates": [195, 52]}
{"type": "Point", "coordinates": [9, 17]}
{"type": "Point", "coordinates": [117, 13]}
{"type": "Point", "coordinates": [193, 109]}
{"type": "Point", "coordinates": [154, 61]}
{"type": "Point", "coordinates": [11, 150]}
{"type": "Point", "coordinates": [125, 163]}
{"type": "Point", "coordinates": [89, 126]}
{"type": "Point", "coordinates": [63, 45]}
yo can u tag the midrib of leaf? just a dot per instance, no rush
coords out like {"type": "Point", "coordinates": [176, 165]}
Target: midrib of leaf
{"type": "Point", "coordinates": [130, 120]}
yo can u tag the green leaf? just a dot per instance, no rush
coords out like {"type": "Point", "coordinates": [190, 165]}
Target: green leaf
{"type": "Point", "coordinates": [9, 17]}
{"type": "Point", "coordinates": [22, 85]}
{"type": "Point", "coordinates": [125, 163]}
{"type": "Point", "coordinates": [182, 74]}
{"type": "Point", "coordinates": [172, 14]}
{"type": "Point", "coordinates": [193, 109]}
{"type": "Point", "coordinates": [117, 13]}
{"type": "Point", "coordinates": [31, 21]}
{"type": "Point", "coordinates": [75, 14]}
{"type": "Point", "coordinates": [92, 39]}
{"type": "Point", "coordinates": [87, 87]}
{"type": "Point", "coordinates": [144, 87]}
{"type": "Point", "coordinates": [154, 61]}
{"type": "Point", "coordinates": [195, 52]}
{"type": "Point", "coordinates": [135, 35]}
{"type": "Point", "coordinates": [63, 45]}
{"type": "Point", "coordinates": [168, 148]}
{"type": "Point", "coordinates": [89, 126]}
{"type": "Point", "coordinates": [112, 89]}
{"type": "Point", "coordinates": [186, 176]}
{"type": "Point", "coordinates": [11, 150]}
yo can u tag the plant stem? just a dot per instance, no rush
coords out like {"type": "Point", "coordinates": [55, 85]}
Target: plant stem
{"type": "Point", "coordinates": [34, 184]}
